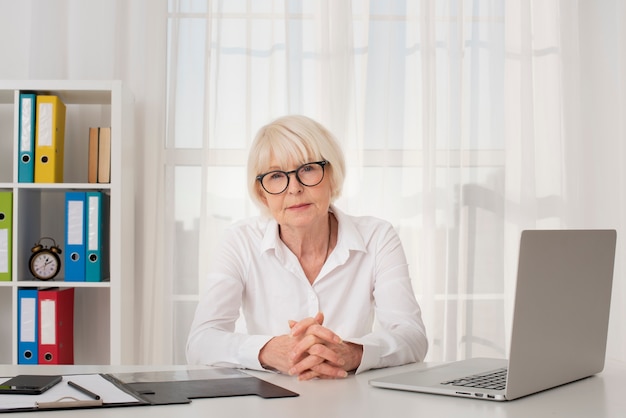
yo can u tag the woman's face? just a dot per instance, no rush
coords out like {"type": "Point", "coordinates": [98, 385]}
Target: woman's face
{"type": "Point", "coordinates": [299, 206]}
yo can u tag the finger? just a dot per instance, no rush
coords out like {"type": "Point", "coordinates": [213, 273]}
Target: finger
{"type": "Point", "coordinates": [301, 348]}
{"type": "Point", "coordinates": [300, 327]}
{"type": "Point", "coordinates": [328, 371]}
{"type": "Point", "coordinates": [303, 325]}
{"type": "Point", "coordinates": [308, 375]}
{"type": "Point", "coordinates": [323, 333]}
{"type": "Point", "coordinates": [315, 335]}
{"type": "Point", "coordinates": [312, 346]}
{"type": "Point", "coordinates": [305, 364]}
{"type": "Point", "coordinates": [328, 354]}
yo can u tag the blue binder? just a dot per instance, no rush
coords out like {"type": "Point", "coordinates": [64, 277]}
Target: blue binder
{"type": "Point", "coordinates": [93, 269]}
{"type": "Point", "coordinates": [75, 236]}
{"type": "Point", "coordinates": [27, 123]}
{"type": "Point", "coordinates": [27, 344]}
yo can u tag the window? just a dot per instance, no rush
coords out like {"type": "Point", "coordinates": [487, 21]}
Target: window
{"type": "Point", "coordinates": [413, 90]}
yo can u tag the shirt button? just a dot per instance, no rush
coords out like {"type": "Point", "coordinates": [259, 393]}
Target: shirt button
{"type": "Point", "coordinates": [313, 304]}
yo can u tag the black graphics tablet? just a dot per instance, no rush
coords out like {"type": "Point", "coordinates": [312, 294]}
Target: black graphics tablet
{"type": "Point", "coordinates": [29, 384]}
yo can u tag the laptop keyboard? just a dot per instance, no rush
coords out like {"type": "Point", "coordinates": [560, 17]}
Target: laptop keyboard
{"type": "Point", "coordinates": [495, 379]}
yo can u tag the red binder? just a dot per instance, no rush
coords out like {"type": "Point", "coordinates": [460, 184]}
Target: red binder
{"type": "Point", "coordinates": [56, 326]}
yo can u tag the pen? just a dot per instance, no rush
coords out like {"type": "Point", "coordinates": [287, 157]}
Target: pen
{"type": "Point", "coordinates": [83, 390]}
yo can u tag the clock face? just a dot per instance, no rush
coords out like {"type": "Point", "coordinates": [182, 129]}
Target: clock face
{"type": "Point", "coordinates": [45, 265]}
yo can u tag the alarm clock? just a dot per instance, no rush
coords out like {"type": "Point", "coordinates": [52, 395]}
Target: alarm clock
{"type": "Point", "coordinates": [45, 262]}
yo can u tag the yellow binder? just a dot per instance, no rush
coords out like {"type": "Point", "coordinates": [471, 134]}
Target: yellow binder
{"type": "Point", "coordinates": [49, 140]}
{"type": "Point", "coordinates": [6, 228]}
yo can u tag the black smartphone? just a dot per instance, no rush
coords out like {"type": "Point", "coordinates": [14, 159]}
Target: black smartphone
{"type": "Point", "coordinates": [29, 384]}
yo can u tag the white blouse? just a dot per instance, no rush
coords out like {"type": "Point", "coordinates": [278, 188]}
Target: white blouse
{"type": "Point", "coordinates": [365, 277]}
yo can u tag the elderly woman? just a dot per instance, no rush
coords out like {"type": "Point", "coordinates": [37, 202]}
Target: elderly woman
{"type": "Point", "coordinates": [309, 279]}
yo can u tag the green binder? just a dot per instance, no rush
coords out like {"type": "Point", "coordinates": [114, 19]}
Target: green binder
{"type": "Point", "coordinates": [6, 234]}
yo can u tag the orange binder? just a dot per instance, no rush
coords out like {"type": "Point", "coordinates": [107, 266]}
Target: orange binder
{"type": "Point", "coordinates": [92, 163]}
{"type": "Point", "coordinates": [56, 326]}
{"type": "Point", "coordinates": [104, 156]}
{"type": "Point", "coordinates": [49, 140]}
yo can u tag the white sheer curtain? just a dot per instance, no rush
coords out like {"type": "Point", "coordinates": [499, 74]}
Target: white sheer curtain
{"type": "Point", "coordinates": [463, 123]}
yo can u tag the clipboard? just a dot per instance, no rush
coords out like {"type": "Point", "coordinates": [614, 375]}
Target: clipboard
{"type": "Point", "coordinates": [64, 396]}
{"type": "Point", "coordinates": [143, 389]}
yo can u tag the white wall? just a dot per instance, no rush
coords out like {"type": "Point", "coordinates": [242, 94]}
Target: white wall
{"type": "Point", "coordinates": [603, 112]}
{"type": "Point", "coordinates": [100, 39]}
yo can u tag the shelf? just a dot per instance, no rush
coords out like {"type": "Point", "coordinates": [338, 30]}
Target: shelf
{"type": "Point", "coordinates": [102, 332]}
{"type": "Point", "coordinates": [56, 186]}
{"type": "Point", "coordinates": [71, 92]}
{"type": "Point", "coordinates": [59, 283]}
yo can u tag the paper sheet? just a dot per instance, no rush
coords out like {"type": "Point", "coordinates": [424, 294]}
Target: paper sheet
{"type": "Point", "coordinates": [108, 392]}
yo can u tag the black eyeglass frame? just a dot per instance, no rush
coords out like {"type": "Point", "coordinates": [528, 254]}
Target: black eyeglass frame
{"type": "Point", "coordinates": [287, 173]}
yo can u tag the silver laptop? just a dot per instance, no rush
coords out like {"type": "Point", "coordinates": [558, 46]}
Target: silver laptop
{"type": "Point", "coordinates": [560, 322]}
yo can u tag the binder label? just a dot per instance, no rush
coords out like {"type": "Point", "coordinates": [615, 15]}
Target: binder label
{"type": "Point", "coordinates": [75, 222]}
{"type": "Point", "coordinates": [45, 120]}
{"type": "Point", "coordinates": [27, 323]}
{"type": "Point", "coordinates": [4, 250]}
{"type": "Point", "coordinates": [48, 322]}
{"type": "Point", "coordinates": [27, 114]}
{"type": "Point", "coordinates": [94, 218]}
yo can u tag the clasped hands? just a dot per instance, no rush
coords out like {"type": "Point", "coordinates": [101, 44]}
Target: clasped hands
{"type": "Point", "coordinates": [311, 351]}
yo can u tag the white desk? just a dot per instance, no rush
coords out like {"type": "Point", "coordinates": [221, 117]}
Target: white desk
{"type": "Point", "coordinates": [603, 395]}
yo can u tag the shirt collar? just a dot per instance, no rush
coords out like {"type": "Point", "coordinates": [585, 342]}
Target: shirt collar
{"type": "Point", "coordinates": [348, 239]}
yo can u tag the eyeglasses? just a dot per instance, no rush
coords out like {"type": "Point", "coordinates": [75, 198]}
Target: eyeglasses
{"type": "Point", "coordinates": [277, 181]}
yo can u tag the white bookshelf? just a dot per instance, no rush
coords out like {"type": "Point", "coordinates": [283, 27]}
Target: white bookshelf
{"type": "Point", "coordinates": [103, 318]}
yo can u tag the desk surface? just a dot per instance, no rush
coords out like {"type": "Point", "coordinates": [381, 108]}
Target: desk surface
{"type": "Point", "coordinates": [603, 395]}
